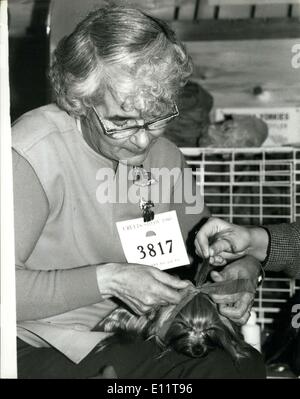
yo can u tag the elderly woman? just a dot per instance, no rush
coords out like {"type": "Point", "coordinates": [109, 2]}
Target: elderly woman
{"type": "Point", "coordinates": [116, 79]}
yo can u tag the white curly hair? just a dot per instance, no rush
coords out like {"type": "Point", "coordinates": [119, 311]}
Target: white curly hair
{"type": "Point", "coordinates": [125, 50]}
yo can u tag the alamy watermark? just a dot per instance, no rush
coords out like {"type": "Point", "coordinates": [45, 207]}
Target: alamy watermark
{"type": "Point", "coordinates": [163, 186]}
{"type": "Point", "coordinates": [296, 317]}
{"type": "Point", "coordinates": [295, 61]}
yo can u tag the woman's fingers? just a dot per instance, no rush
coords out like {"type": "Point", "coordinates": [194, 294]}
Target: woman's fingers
{"type": "Point", "coordinates": [144, 287]}
{"type": "Point", "coordinates": [172, 281]}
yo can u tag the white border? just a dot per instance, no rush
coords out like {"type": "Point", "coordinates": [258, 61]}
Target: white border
{"type": "Point", "coordinates": [8, 367]}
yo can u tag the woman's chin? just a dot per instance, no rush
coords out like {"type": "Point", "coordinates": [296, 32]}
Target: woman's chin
{"type": "Point", "coordinates": [135, 160]}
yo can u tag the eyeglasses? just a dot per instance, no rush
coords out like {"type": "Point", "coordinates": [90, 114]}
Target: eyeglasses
{"type": "Point", "coordinates": [123, 133]}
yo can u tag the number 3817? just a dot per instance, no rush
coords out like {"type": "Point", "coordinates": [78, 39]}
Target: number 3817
{"type": "Point", "coordinates": [155, 249]}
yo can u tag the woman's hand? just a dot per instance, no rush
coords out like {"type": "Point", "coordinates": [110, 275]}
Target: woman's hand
{"type": "Point", "coordinates": [138, 286]}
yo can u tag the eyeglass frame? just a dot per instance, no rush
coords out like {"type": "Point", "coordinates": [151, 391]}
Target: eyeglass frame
{"type": "Point", "coordinates": [145, 126]}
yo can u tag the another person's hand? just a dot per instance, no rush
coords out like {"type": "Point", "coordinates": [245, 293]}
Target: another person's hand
{"type": "Point", "coordinates": [140, 287]}
{"type": "Point", "coordinates": [237, 306]}
{"type": "Point", "coordinates": [222, 241]}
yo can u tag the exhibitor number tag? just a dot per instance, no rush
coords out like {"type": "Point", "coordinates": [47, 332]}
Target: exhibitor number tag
{"type": "Point", "coordinates": [157, 243]}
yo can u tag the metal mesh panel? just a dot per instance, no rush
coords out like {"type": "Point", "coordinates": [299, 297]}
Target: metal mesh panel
{"type": "Point", "coordinates": [253, 186]}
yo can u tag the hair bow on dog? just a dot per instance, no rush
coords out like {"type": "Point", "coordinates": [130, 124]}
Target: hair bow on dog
{"type": "Point", "coordinates": [220, 288]}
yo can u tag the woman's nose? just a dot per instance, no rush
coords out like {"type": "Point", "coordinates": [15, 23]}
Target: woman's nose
{"type": "Point", "coordinates": [141, 139]}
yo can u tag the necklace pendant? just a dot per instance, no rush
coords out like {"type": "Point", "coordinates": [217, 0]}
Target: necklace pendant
{"type": "Point", "coordinates": [148, 213]}
{"type": "Point", "coordinates": [141, 177]}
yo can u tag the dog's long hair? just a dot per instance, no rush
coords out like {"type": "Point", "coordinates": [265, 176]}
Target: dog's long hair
{"type": "Point", "coordinates": [197, 329]}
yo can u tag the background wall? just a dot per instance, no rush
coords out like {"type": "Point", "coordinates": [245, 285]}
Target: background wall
{"type": "Point", "coordinates": [37, 25]}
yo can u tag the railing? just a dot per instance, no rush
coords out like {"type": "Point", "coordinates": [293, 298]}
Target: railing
{"type": "Point", "coordinates": [253, 186]}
